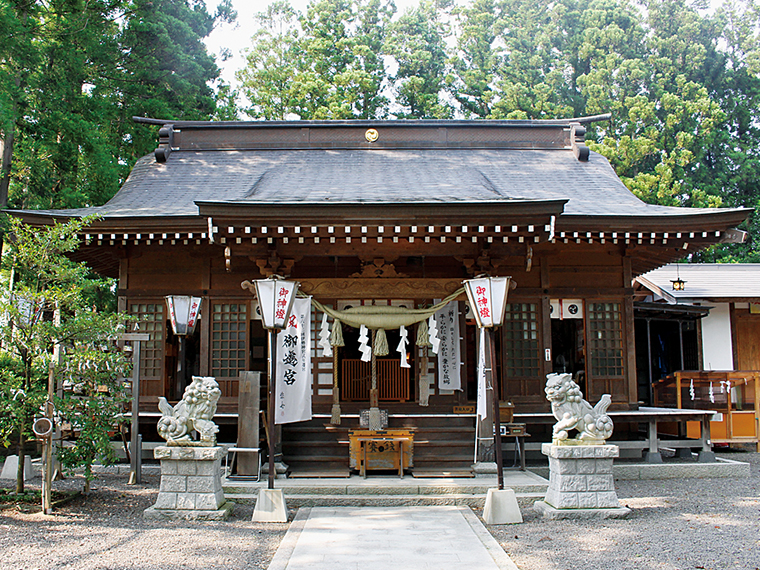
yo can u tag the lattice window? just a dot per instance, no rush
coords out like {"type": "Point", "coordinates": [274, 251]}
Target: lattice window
{"type": "Point", "coordinates": [520, 338]}
{"type": "Point", "coordinates": [228, 339]}
{"type": "Point", "coordinates": [151, 319]}
{"type": "Point", "coordinates": [605, 339]}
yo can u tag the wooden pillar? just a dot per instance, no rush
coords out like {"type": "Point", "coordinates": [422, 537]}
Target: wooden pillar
{"type": "Point", "coordinates": [205, 352]}
{"type": "Point", "coordinates": [121, 304]}
{"type": "Point", "coordinates": [205, 322]}
{"type": "Point", "coordinates": [629, 336]}
{"type": "Point", "coordinates": [650, 388]}
{"type": "Point", "coordinates": [734, 336]}
{"type": "Point", "coordinates": [546, 320]}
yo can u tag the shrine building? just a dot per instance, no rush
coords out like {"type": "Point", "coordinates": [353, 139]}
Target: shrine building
{"type": "Point", "coordinates": [387, 213]}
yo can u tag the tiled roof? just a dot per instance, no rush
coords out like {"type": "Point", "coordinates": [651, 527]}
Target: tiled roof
{"type": "Point", "coordinates": [374, 176]}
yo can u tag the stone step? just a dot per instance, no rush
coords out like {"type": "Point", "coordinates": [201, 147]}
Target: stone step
{"type": "Point", "coordinates": [239, 488]}
{"type": "Point", "coordinates": [524, 500]}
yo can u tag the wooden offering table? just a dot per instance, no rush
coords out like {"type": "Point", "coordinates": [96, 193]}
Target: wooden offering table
{"type": "Point", "coordinates": [390, 449]}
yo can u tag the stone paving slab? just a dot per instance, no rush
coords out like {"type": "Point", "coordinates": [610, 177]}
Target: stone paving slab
{"type": "Point", "coordinates": [389, 538]}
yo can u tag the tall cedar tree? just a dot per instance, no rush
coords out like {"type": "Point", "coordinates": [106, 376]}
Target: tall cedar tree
{"type": "Point", "coordinates": [73, 76]}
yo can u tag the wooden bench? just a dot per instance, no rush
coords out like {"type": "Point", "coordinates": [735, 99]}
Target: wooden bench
{"type": "Point", "coordinates": [651, 417]}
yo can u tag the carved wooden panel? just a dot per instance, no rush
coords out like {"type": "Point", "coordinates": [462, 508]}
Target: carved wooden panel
{"type": "Point", "coordinates": [380, 288]}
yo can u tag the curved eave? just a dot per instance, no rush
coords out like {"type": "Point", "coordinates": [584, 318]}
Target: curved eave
{"type": "Point", "coordinates": [681, 222]}
{"type": "Point", "coordinates": [378, 212]}
{"type": "Point", "coordinates": [155, 224]}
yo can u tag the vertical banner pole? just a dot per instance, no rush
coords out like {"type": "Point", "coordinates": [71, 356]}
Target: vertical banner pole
{"type": "Point", "coordinates": [271, 406]}
{"type": "Point", "coordinates": [495, 381]}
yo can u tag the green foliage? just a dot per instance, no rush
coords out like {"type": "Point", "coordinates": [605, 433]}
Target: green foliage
{"type": "Point", "coordinates": [416, 41]}
{"type": "Point", "coordinates": [326, 64]}
{"type": "Point", "coordinates": [92, 402]}
{"type": "Point", "coordinates": [49, 303]}
{"type": "Point", "coordinates": [682, 83]}
{"type": "Point", "coordinates": [74, 74]}
{"type": "Point", "coordinates": [272, 63]}
{"type": "Point", "coordinates": [19, 399]}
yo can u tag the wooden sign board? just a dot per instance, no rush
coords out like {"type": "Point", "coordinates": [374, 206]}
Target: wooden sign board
{"type": "Point", "coordinates": [464, 409]}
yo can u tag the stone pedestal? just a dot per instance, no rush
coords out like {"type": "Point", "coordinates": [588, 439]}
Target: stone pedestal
{"type": "Point", "coordinates": [191, 484]}
{"type": "Point", "coordinates": [485, 469]}
{"type": "Point", "coordinates": [270, 506]}
{"type": "Point", "coordinates": [581, 484]}
{"type": "Point", "coordinates": [501, 507]}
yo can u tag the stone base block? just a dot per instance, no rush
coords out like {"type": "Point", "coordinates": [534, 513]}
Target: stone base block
{"type": "Point", "coordinates": [484, 469]}
{"type": "Point", "coordinates": [220, 514]}
{"type": "Point", "coordinates": [706, 457]}
{"type": "Point", "coordinates": [580, 477]}
{"type": "Point", "coordinates": [190, 482]}
{"type": "Point", "coordinates": [280, 469]}
{"type": "Point", "coordinates": [501, 507]}
{"type": "Point", "coordinates": [549, 512]}
{"type": "Point", "coordinates": [270, 506]}
{"type": "Point", "coordinates": [10, 468]}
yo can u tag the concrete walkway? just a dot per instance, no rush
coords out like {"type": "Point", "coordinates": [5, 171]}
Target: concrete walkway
{"type": "Point", "coordinates": [389, 538]}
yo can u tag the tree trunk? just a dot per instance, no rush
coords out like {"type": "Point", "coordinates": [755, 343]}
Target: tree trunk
{"type": "Point", "coordinates": [21, 461]}
{"type": "Point", "coordinates": [6, 148]}
{"type": "Point", "coordinates": [87, 477]}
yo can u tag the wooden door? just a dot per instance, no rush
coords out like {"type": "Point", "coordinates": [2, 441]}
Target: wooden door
{"type": "Point", "coordinates": [748, 342]}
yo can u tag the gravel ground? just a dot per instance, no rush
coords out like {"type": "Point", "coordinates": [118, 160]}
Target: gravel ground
{"type": "Point", "coordinates": [107, 530]}
{"type": "Point", "coordinates": [676, 525]}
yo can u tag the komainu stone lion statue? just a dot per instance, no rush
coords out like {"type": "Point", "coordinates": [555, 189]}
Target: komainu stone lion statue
{"type": "Point", "coordinates": [572, 412]}
{"type": "Point", "coordinates": [193, 412]}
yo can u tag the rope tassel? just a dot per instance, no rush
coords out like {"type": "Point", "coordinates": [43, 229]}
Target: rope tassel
{"type": "Point", "coordinates": [381, 343]}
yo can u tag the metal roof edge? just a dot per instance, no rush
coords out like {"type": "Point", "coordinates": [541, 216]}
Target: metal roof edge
{"type": "Point", "coordinates": [370, 122]}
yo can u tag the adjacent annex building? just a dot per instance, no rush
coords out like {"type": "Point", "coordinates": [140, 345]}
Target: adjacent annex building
{"type": "Point", "coordinates": [390, 213]}
{"type": "Point", "coordinates": [699, 346]}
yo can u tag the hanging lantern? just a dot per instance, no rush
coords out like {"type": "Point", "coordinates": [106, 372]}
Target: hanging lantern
{"type": "Point", "coordinates": [678, 284]}
{"type": "Point", "coordinates": [183, 313]}
{"type": "Point", "coordinates": [488, 299]}
{"type": "Point", "coordinates": [276, 298]}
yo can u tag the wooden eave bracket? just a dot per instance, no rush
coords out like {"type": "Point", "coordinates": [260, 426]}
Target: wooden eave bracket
{"type": "Point", "coordinates": [165, 143]}
{"type": "Point", "coordinates": [578, 142]}
{"type": "Point", "coordinates": [733, 235]}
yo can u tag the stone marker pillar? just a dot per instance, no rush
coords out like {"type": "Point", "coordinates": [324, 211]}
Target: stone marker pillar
{"type": "Point", "coordinates": [249, 398]}
{"type": "Point", "coordinates": [581, 484]}
{"type": "Point", "coordinates": [191, 484]}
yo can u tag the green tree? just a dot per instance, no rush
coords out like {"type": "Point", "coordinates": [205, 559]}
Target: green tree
{"type": "Point", "coordinates": [18, 21]}
{"type": "Point", "coordinates": [92, 402]}
{"type": "Point", "coordinates": [166, 71]}
{"type": "Point", "coordinates": [326, 64]}
{"type": "Point", "coordinates": [46, 305]}
{"type": "Point", "coordinates": [416, 40]}
{"type": "Point", "coordinates": [477, 58]}
{"type": "Point", "coordinates": [735, 158]}
{"type": "Point", "coordinates": [272, 62]}
{"type": "Point", "coordinates": [73, 75]}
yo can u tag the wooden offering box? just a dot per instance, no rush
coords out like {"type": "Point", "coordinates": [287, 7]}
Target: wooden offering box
{"type": "Point", "coordinates": [382, 448]}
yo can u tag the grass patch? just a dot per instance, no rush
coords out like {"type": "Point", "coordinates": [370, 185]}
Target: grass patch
{"type": "Point", "coordinates": [9, 498]}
